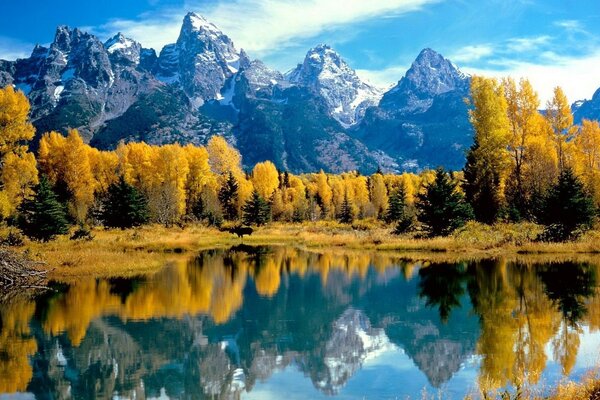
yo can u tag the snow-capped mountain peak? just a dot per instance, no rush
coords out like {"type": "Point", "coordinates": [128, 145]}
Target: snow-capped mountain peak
{"type": "Point", "coordinates": [325, 73]}
{"type": "Point", "coordinates": [118, 42]}
{"type": "Point", "coordinates": [430, 75]}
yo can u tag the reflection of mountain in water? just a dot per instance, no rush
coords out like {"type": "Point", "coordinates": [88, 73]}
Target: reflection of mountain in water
{"type": "Point", "coordinates": [353, 341]}
{"type": "Point", "coordinates": [203, 329]}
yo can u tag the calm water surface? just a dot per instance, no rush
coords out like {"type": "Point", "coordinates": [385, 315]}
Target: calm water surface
{"type": "Point", "coordinates": [272, 323]}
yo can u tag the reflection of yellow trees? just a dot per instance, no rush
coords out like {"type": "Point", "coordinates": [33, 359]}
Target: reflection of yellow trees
{"type": "Point", "coordinates": [268, 278]}
{"type": "Point", "coordinates": [178, 290]}
{"type": "Point", "coordinates": [518, 320]}
{"type": "Point", "coordinates": [16, 346]}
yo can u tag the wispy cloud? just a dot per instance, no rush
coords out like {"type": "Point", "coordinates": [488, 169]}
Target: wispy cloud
{"type": "Point", "coordinates": [262, 26]}
{"type": "Point", "coordinates": [472, 53]}
{"type": "Point", "coordinates": [570, 25]}
{"type": "Point", "coordinates": [527, 43]}
{"type": "Point", "coordinates": [382, 78]}
{"type": "Point", "coordinates": [11, 49]}
{"type": "Point", "coordinates": [578, 76]}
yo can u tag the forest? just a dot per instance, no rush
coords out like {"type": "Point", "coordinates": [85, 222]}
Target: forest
{"type": "Point", "coordinates": [524, 165]}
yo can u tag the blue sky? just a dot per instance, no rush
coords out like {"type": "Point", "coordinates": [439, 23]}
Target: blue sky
{"type": "Point", "coordinates": [552, 42]}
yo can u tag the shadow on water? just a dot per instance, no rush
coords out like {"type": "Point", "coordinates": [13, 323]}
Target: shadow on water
{"type": "Point", "coordinates": [225, 322]}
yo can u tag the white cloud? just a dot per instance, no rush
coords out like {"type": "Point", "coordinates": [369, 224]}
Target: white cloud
{"type": "Point", "coordinates": [578, 76]}
{"type": "Point", "coordinates": [527, 44]}
{"type": "Point", "coordinates": [570, 25]}
{"type": "Point", "coordinates": [262, 26]}
{"type": "Point", "coordinates": [472, 53]}
{"type": "Point", "coordinates": [11, 49]}
{"type": "Point", "coordinates": [383, 78]}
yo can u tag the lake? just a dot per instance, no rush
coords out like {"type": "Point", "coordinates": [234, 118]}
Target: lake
{"type": "Point", "coordinates": [280, 322]}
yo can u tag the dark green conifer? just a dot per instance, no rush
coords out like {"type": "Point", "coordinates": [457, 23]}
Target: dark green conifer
{"type": "Point", "coordinates": [124, 206]}
{"type": "Point", "coordinates": [567, 208]}
{"type": "Point", "coordinates": [256, 211]}
{"type": "Point", "coordinates": [228, 196]}
{"type": "Point", "coordinates": [346, 216]}
{"type": "Point", "coordinates": [441, 207]}
{"type": "Point", "coordinates": [43, 217]}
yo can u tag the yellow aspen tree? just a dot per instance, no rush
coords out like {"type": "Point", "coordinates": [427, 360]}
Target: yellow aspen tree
{"type": "Point", "coordinates": [200, 176]}
{"type": "Point", "coordinates": [104, 166]}
{"type": "Point", "coordinates": [265, 179]}
{"type": "Point", "coordinates": [360, 199]}
{"type": "Point", "coordinates": [135, 160]}
{"type": "Point", "coordinates": [323, 192]}
{"type": "Point", "coordinates": [560, 117]}
{"type": "Point", "coordinates": [488, 160]}
{"type": "Point", "coordinates": [18, 168]}
{"type": "Point", "coordinates": [167, 199]}
{"type": "Point", "coordinates": [522, 109]}
{"type": "Point", "coordinates": [15, 128]}
{"type": "Point", "coordinates": [378, 194]}
{"type": "Point", "coordinates": [18, 175]}
{"type": "Point", "coordinates": [78, 175]}
{"type": "Point", "coordinates": [66, 162]}
{"type": "Point", "coordinates": [587, 143]}
{"type": "Point", "coordinates": [223, 158]}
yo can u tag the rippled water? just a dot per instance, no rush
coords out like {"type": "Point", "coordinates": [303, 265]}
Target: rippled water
{"type": "Point", "coordinates": [272, 323]}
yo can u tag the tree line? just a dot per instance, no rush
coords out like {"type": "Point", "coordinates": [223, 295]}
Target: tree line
{"type": "Point", "coordinates": [523, 165]}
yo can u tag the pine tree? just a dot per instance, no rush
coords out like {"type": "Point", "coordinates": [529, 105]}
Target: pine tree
{"type": "Point", "coordinates": [397, 213]}
{"type": "Point", "coordinates": [567, 207]}
{"type": "Point", "coordinates": [481, 188]}
{"type": "Point", "coordinates": [256, 211]}
{"type": "Point", "coordinates": [346, 216]}
{"type": "Point", "coordinates": [124, 206]}
{"type": "Point", "coordinates": [43, 217]}
{"type": "Point", "coordinates": [397, 206]}
{"type": "Point", "coordinates": [442, 208]}
{"type": "Point", "coordinates": [228, 196]}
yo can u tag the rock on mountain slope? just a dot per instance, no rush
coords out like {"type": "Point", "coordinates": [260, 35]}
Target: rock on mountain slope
{"type": "Point", "coordinates": [423, 120]}
{"type": "Point", "coordinates": [201, 59]}
{"type": "Point", "coordinates": [325, 73]}
{"type": "Point", "coordinates": [587, 109]}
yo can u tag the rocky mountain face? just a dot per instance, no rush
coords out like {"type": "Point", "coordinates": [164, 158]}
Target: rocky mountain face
{"type": "Point", "coordinates": [423, 120]}
{"type": "Point", "coordinates": [326, 74]}
{"type": "Point", "coordinates": [318, 116]}
{"type": "Point", "coordinates": [587, 109]}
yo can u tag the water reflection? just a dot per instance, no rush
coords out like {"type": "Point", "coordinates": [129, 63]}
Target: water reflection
{"type": "Point", "coordinates": [222, 324]}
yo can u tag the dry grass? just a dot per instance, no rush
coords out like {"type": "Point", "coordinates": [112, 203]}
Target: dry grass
{"type": "Point", "coordinates": [147, 249]}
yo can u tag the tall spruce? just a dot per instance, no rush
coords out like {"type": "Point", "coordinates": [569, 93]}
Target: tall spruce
{"type": "Point", "coordinates": [397, 211]}
{"type": "Point", "coordinates": [441, 207]}
{"type": "Point", "coordinates": [345, 215]}
{"type": "Point", "coordinates": [43, 217]}
{"type": "Point", "coordinates": [567, 208]}
{"type": "Point", "coordinates": [124, 206]}
{"type": "Point", "coordinates": [256, 211]}
{"type": "Point", "coordinates": [228, 197]}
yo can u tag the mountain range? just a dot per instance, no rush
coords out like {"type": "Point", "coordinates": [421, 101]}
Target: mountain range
{"type": "Point", "coordinates": [319, 115]}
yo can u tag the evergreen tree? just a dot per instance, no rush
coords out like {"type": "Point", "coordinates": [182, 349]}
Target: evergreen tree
{"type": "Point", "coordinates": [228, 196]}
{"type": "Point", "coordinates": [567, 207]}
{"type": "Point", "coordinates": [43, 217]}
{"type": "Point", "coordinates": [124, 207]}
{"type": "Point", "coordinates": [482, 187]}
{"type": "Point", "coordinates": [397, 213]}
{"type": "Point", "coordinates": [346, 216]}
{"type": "Point", "coordinates": [442, 208]}
{"type": "Point", "coordinates": [256, 210]}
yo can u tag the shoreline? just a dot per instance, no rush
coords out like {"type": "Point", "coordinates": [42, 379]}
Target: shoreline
{"type": "Point", "coordinates": [146, 249]}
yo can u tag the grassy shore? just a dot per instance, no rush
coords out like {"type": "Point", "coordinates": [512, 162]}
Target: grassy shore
{"type": "Point", "coordinates": [146, 249]}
